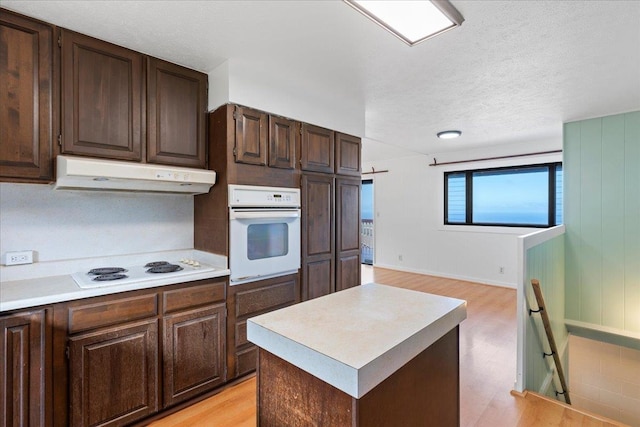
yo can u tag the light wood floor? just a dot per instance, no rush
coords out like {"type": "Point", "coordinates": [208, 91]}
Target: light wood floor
{"type": "Point", "coordinates": [487, 366]}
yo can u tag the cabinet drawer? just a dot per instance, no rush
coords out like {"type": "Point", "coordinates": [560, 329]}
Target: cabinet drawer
{"type": "Point", "coordinates": [106, 313]}
{"type": "Point", "coordinates": [257, 300]}
{"type": "Point", "coordinates": [194, 296]}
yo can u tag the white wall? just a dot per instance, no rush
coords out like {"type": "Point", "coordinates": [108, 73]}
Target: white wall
{"type": "Point", "coordinates": [291, 95]}
{"type": "Point", "coordinates": [63, 225]}
{"type": "Point", "coordinates": [409, 219]}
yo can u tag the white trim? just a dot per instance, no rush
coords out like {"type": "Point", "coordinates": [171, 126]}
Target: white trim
{"type": "Point", "coordinates": [487, 229]}
{"type": "Point", "coordinates": [603, 329]}
{"type": "Point", "coordinates": [541, 236]}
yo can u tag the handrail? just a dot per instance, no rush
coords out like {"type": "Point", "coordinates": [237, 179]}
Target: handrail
{"type": "Point", "coordinates": [551, 343]}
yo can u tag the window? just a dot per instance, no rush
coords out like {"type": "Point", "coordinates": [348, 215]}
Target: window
{"type": "Point", "coordinates": [267, 240]}
{"type": "Point", "coordinates": [521, 196]}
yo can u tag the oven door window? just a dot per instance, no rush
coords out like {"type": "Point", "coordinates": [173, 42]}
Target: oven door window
{"type": "Point", "coordinates": [267, 240]}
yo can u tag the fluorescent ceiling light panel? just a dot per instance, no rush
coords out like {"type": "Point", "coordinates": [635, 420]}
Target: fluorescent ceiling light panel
{"type": "Point", "coordinates": [411, 21]}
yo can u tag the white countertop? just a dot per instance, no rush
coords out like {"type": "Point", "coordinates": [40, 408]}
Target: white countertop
{"type": "Point", "coordinates": [48, 284]}
{"type": "Point", "coordinates": [356, 338]}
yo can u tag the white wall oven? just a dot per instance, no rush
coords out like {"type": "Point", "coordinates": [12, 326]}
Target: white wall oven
{"type": "Point", "coordinates": [264, 232]}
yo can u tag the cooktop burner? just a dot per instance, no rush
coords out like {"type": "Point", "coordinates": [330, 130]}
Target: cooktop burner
{"type": "Point", "coordinates": [109, 277]}
{"type": "Point", "coordinates": [106, 270]}
{"type": "Point", "coordinates": [164, 268]}
{"type": "Point", "coordinates": [156, 264]}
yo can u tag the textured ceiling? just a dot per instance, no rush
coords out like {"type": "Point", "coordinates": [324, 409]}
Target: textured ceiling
{"type": "Point", "coordinates": [512, 73]}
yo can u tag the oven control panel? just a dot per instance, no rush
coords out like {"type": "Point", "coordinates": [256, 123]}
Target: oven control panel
{"type": "Point", "coordinates": [263, 197]}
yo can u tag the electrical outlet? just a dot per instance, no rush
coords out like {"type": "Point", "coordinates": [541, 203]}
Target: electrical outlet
{"type": "Point", "coordinates": [399, 257]}
{"type": "Point", "coordinates": [501, 270]}
{"type": "Point", "coordinates": [19, 257]}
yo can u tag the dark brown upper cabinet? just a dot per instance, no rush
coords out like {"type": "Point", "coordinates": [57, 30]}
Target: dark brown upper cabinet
{"type": "Point", "coordinates": [28, 116]}
{"type": "Point", "coordinates": [263, 139]}
{"type": "Point", "coordinates": [317, 149]}
{"type": "Point", "coordinates": [120, 104]}
{"type": "Point", "coordinates": [176, 114]}
{"type": "Point", "coordinates": [283, 140]}
{"type": "Point", "coordinates": [103, 95]}
{"type": "Point", "coordinates": [251, 136]}
{"type": "Point", "coordinates": [348, 155]}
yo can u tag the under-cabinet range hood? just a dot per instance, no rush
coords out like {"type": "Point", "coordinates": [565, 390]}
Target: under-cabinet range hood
{"type": "Point", "coordinates": [82, 173]}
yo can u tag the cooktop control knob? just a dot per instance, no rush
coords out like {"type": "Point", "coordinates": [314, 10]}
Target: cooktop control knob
{"type": "Point", "coordinates": [190, 262]}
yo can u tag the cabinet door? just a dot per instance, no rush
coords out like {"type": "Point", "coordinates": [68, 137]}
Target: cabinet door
{"type": "Point", "coordinates": [348, 270]}
{"type": "Point", "coordinates": [102, 94]}
{"type": "Point", "coordinates": [317, 149]}
{"type": "Point", "coordinates": [22, 369]}
{"type": "Point", "coordinates": [176, 114]}
{"type": "Point", "coordinates": [347, 232]}
{"type": "Point", "coordinates": [318, 235]}
{"type": "Point", "coordinates": [283, 139]}
{"type": "Point", "coordinates": [348, 155]}
{"type": "Point", "coordinates": [318, 277]}
{"type": "Point", "coordinates": [193, 353]}
{"type": "Point", "coordinates": [251, 136]}
{"type": "Point", "coordinates": [26, 98]}
{"type": "Point", "coordinates": [114, 375]}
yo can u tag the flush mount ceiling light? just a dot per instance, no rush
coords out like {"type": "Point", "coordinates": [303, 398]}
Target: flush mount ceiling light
{"type": "Point", "coordinates": [411, 21]}
{"type": "Point", "coordinates": [449, 134]}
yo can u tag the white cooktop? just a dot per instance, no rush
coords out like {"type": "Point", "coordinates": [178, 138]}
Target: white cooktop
{"type": "Point", "coordinates": [191, 270]}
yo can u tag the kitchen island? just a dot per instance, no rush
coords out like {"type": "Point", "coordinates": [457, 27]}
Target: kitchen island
{"type": "Point", "coordinates": [369, 355]}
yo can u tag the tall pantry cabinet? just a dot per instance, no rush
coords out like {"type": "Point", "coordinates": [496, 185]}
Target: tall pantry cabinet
{"type": "Point", "coordinates": [330, 163]}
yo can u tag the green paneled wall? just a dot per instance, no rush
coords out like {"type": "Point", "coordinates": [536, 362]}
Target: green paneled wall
{"type": "Point", "coordinates": [602, 218]}
{"type": "Point", "coordinates": [545, 262]}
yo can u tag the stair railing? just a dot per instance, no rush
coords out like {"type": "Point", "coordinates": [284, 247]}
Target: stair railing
{"type": "Point", "coordinates": [549, 348]}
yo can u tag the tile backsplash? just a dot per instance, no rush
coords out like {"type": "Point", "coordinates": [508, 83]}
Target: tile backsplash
{"type": "Point", "coordinates": [605, 379]}
{"type": "Point", "coordinates": [61, 225]}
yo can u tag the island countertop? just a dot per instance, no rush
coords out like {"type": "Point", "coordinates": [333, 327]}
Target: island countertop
{"type": "Point", "coordinates": [356, 338]}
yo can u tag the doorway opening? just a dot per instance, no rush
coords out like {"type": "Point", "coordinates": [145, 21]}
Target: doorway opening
{"type": "Point", "coordinates": [366, 222]}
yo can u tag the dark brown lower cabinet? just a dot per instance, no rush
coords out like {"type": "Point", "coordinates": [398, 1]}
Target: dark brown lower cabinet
{"type": "Point", "coordinates": [23, 369]}
{"type": "Point", "coordinates": [127, 356]}
{"type": "Point", "coordinates": [114, 374]}
{"type": "Point", "coordinates": [193, 353]}
{"type": "Point", "coordinates": [248, 300]}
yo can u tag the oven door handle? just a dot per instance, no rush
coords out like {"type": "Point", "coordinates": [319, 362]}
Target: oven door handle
{"type": "Point", "coordinates": [258, 214]}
